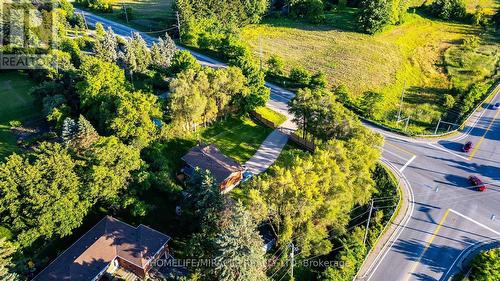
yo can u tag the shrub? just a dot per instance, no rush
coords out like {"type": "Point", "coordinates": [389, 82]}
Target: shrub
{"type": "Point", "coordinates": [182, 61]}
{"type": "Point", "coordinates": [449, 101]}
{"type": "Point", "coordinates": [449, 9]}
{"type": "Point", "coordinates": [486, 266]}
{"type": "Point", "coordinates": [373, 15]}
{"type": "Point", "coordinates": [311, 10]}
{"type": "Point", "coordinates": [275, 66]}
{"type": "Point", "coordinates": [300, 75]}
{"type": "Point", "coordinates": [15, 124]}
{"type": "Point", "coordinates": [318, 81]}
{"type": "Point", "coordinates": [471, 42]}
{"type": "Point", "coordinates": [98, 5]}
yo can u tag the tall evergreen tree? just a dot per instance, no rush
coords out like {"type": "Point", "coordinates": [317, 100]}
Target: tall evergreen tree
{"type": "Point", "coordinates": [137, 54]}
{"type": "Point", "coordinates": [69, 130]}
{"type": "Point", "coordinates": [106, 48]}
{"type": "Point", "coordinates": [163, 52]}
{"type": "Point", "coordinates": [240, 256]}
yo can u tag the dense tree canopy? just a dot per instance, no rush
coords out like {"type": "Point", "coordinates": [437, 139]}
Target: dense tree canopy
{"type": "Point", "coordinates": [319, 188]}
{"type": "Point", "coordinates": [486, 266]}
{"type": "Point", "coordinates": [218, 16]}
{"type": "Point", "coordinates": [449, 9]}
{"type": "Point", "coordinates": [199, 97]}
{"type": "Point", "coordinates": [109, 169]}
{"type": "Point", "coordinates": [41, 194]}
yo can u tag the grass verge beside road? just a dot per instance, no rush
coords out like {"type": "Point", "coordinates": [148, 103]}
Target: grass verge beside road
{"type": "Point", "coordinates": [272, 116]}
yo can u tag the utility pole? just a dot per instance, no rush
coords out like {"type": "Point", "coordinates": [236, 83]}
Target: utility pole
{"type": "Point", "coordinates": [401, 102]}
{"type": "Point", "coordinates": [178, 24]}
{"type": "Point", "coordinates": [260, 52]}
{"type": "Point", "coordinates": [85, 21]}
{"type": "Point", "coordinates": [292, 257]}
{"type": "Point", "coordinates": [437, 127]}
{"type": "Point", "coordinates": [368, 222]}
{"type": "Point", "coordinates": [125, 11]}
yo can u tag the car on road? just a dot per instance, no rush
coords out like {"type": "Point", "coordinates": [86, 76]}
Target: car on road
{"type": "Point", "coordinates": [477, 183]}
{"type": "Point", "coordinates": [496, 105]}
{"type": "Point", "coordinates": [467, 147]}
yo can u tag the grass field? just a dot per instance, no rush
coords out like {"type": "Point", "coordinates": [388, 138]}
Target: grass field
{"type": "Point", "coordinates": [16, 104]}
{"type": "Point", "coordinates": [411, 53]}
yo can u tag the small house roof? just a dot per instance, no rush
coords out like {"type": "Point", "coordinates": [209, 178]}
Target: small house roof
{"type": "Point", "coordinates": [209, 157]}
{"type": "Point", "coordinates": [108, 239]}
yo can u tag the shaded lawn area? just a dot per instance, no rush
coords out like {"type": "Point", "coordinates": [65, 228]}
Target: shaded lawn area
{"type": "Point", "coordinates": [237, 137]}
{"type": "Point", "coordinates": [146, 15]}
{"type": "Point", "coordinates": [16, 104]}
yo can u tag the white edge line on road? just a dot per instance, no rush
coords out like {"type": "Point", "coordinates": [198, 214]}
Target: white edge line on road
{"type": "Point", "coordinates": [447, 150]}
{"type": "Point", "coordinates": [398, 232]}
{"type": "Point", "coordinates": [473, 126]}
{"type": "Point", "coordinates": [471, 245]}
{"type": "Point", "coordinates": [475, 221]}
{"type": "Point", "coordinates": [395, 154]}
{"type": "Point", "coordinates": [407, 163]}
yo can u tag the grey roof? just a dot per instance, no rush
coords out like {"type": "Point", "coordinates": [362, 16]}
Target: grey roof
{"type": "Point", "coordinates": [108, 239]}
{"type": "Point", "coordinates": [209, 157]}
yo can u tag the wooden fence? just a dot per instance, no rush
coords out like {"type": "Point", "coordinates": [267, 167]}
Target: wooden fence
{"type": "Point", "coordinates": [308, 145]}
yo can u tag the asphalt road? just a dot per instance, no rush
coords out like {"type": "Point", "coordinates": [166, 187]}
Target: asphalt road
{"type": "Point", "coordinates": [448, 215]}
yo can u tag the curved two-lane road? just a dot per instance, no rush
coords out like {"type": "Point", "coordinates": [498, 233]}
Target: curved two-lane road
{"type": "Point", "coordinates": [446, 215]}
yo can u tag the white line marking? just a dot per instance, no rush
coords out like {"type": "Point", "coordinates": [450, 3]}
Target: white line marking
{"type": "Point", "coordinates": [395, 154]}
{"type": "Point", "coordinates": [407, 163]}
{"type": "Point", "coordinates": [398, 231]}
{"type": "Point", "coordinates": [447, 150]}
{"type": "Point", "coordinates": [471, 245]}
{"type": "Point", "coordinates": [476, 222]}
{"type": "Point", "coordinates": [473, 125]}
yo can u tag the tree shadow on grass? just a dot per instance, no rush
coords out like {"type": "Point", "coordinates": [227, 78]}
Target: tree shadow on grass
{"type": "Point", "coordinates": [340, 20]}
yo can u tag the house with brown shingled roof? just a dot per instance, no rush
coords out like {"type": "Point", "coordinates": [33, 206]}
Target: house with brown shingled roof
{"type": "Point", "coordinates": [227, 172]}
{"type": "Point", "coordinates": [108, 245]}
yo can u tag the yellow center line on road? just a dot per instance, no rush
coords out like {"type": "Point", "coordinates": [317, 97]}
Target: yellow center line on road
{"type": "Point", "coordinates": [402, 149]}
{"type": "Point", "coordinates": [484, 136]}
{"type": "Point", "coordinates": [429, 243]}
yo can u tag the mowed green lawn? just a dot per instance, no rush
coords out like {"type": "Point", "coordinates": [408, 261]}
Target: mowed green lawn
{"type": "Point", "coordinates": [410, 54]}
{"type": "Point", "coordinates": [237, 137]}
{"type": "Point", "coordinates": [16, 104]}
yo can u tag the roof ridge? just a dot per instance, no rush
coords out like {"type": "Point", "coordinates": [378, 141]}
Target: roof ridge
{"type": "Point", "coordinates": [222, 154]}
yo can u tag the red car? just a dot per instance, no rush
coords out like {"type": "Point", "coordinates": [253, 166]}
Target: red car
{"type": "Point", "coordinates": [477, 183]}
{"type": "Point", "coordinates": [467, 147]}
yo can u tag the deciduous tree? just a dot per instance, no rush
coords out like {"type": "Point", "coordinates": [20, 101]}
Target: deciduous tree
{"type": "Point", "coordinates": [41, 194]}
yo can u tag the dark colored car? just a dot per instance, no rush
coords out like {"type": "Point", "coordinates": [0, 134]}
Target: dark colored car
{"type": "Point", "coordinates": [496, 105]}
{"type": "Point", "coordinates": [467, 147]}
{"type": "Point", "coordinates": [477, 183]}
